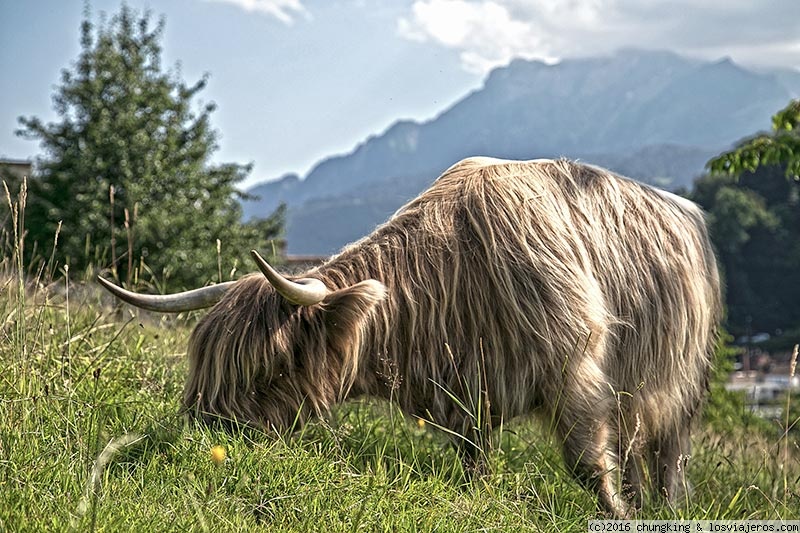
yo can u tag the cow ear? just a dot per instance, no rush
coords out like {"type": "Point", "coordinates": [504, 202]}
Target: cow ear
{"type": "Point", "coordinates": [346, 309]}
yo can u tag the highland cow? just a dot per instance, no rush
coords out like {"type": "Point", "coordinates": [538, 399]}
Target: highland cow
{"type": "Point", "coordinates": [513, 287]}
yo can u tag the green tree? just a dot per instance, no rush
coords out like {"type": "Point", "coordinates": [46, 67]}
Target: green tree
{"type": "Point", "coordinates": [127, 167]}
{"type": "Point", "coordinates": [756, 232]}
{"type": "Point", "coordinates": [780, 147]}
{"type": "Point", "coordinates": [754, 217]}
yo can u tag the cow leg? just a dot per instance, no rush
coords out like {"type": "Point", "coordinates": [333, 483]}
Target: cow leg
{"type": "Point", "coordinates": [472, 447]}
{"type": "Point", "coordinates": [633, 478]}
{"type": "Point", "coordinates": [631, 443]}
{"type": "Point", "coordinates": [586, 421]}
{"type": "Point", "coordinates": [586, 437]}
{"type": "Point", "coordinates": [667, 457]}
{"type": "Point", "coordinates": [473, 459]}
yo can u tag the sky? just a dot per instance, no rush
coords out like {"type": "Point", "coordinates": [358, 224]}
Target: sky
{"type": "Point", "coordinates": [295, 81]}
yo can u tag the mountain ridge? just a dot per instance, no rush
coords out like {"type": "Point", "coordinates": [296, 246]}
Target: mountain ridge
{"type": "Point", "coordinates": [653, 115]}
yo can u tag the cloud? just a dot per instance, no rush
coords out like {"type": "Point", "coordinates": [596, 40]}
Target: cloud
{"type": "Point", "coordinates": [283, 10]}
{"type": "Point", "coordinates": [485, 33]}
{"type": "Point", "coordinates": [488, 33]}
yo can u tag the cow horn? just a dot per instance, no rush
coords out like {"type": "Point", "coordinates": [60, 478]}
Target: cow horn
{"type": "Point", "coordinates": [170, 303]}
{"type": "Point", "coordinates": [305, 291]}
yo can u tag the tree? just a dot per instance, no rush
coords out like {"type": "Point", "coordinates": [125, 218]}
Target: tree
{"type": "Point", "coordinates": [754, 217]}
{"type": "Point", "coordinates": [127, 167]}
{"type": "Point", "coordinates": [781, 147]}
{"type": "Point", "coordinates": [747, 235]}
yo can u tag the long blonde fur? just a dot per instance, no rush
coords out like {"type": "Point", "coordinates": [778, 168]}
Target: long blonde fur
{"type": "Point", "coordinates": [546, 286]}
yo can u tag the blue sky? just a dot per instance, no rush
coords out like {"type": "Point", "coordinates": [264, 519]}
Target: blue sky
{"type": "Point", "coordinates": [298, 80]}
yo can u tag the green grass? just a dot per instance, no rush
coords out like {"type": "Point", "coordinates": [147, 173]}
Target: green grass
{"type": "Point", "coordinates": [90, 378]}
{"type": "Point", "coordinates": [90, 440]}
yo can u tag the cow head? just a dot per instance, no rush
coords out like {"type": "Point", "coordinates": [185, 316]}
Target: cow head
{"type": "Point", "coordinates": [272, 350]}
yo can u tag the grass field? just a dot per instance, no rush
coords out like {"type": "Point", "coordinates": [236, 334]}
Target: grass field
{"type": "Point", "coordinates": [91, 440]}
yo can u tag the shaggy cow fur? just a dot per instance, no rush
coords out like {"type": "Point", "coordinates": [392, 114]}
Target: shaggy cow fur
{"type": "Point", "coordinates": [546, 286]}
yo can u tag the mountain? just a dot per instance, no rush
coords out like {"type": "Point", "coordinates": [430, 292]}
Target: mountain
{"type": "Point", "coordinates": [654, 116]}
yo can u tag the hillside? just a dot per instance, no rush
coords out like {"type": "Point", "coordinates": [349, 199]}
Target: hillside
{"type": "Point", "coordinates": [654, 116]}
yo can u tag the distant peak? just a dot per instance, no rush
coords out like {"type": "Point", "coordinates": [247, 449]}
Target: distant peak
{"type": "Point", "coordinates": [724, 62]}
{"type": "Point", "coordinates": [289, 177]}
{"type": "Point", "coordinates": [629, 53]}
{"type": "Point", "coordinates": [634, 51]}
{"type": "Point", "coordinates": [516, 67]}
{"type": "Point", "coordinates": [528, 63]}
